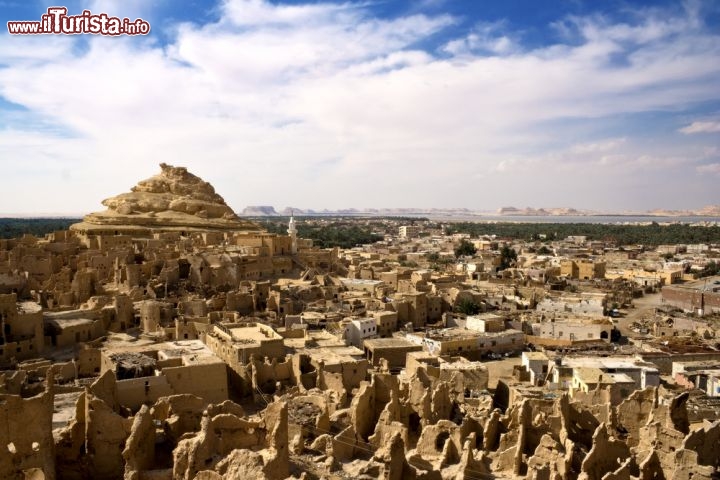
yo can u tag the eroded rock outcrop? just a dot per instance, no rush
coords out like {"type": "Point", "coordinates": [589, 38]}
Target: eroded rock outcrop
{"type": "Point", "coordinates": [175, 199]}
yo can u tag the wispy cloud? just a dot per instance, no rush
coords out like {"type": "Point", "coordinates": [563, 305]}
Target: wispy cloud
{"type": "Point", "coordinates": [709, 168]}
{"type": "Point", "coordinates": [701, 127]}
{"type": "Point", "coordinates": [486, 38]}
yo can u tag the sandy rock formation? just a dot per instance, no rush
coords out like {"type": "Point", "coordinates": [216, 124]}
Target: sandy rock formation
{"type": "Point", "coordinates": [175, 199]}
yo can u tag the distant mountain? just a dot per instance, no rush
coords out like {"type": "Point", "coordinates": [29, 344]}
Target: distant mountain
{"type": "Point", "coordinates": [710, 211]}
{"type": "Point", "coordinates": [540, 212]}
{"type": "Point", "coordinates": [265, 211]}
{"type": "Point", "coordinates": [707, 211]}
{"type": "Point", "coordinates": [259, 211]}
{"type": "Point", "coordinates": [287, 211]}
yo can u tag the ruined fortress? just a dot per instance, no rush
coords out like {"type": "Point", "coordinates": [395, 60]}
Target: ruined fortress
{"type": "Point", "coordinates": [165, 338]}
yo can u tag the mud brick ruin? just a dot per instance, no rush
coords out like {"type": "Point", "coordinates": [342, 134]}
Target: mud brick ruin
{"type": "Point", "coordinates": [166, 338]}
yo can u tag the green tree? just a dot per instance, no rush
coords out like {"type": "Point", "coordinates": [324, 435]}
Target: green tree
{"type": "Point", "coordinates": [508, 257]}
{"type": "Point", "coordinates": [465, 248]}
{"type": "Point", "coordinates": [468, 307]}
{"type": "Point", "coordinates": [712, 268]}
{"type": "Point", "coordinates": [432, 257]}
{"type": "Point", "coordinates": [408, 263]}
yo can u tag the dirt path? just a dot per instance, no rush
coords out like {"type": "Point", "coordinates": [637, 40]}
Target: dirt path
{"type": "Point", "coordinates": [644, 307]}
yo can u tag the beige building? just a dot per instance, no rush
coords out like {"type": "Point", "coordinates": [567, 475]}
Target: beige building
{"type": "Point", "coordinates": [536, 363]}
{"type": "Point", "coordinates": [359, 329]}
{"type": "Point", "coordinates": [582, 269]}
{"type": "Point", "coordinates": [146, 374]}
{"type": "Point", "coordinates": [409, 231]}
{"type": "Point", "coordinates": [468, 343]}
{"type": "Point", "coordinates": [643, 374]}
{"type": "Point", "coordinates": [474, 374]}
{"type": "Point", "coordinates": [485, 323]}
{"type": "Point", "coordinates": [64, 332]}
{"type": "Point", "coordinates": [572, 331]}
{"type": "Point", "coordinates": [21, 329]}
{"type": "Point", "coordinates": [585, 305]}
{"type": "Point", "coordinates": [387, 323]}
{"type": "Point", "coordinates": [237, 343]}
{"type": "Point", "coordinates": [589, 379]}
{"type": "Point", "coordinates": [394, 350]}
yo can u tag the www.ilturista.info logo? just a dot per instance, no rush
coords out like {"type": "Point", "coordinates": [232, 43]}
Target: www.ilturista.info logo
{"type": "Point", "coordinates": [57, 21]}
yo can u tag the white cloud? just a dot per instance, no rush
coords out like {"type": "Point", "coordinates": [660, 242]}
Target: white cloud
{"type": "Point", "coordinates": [701, 127]}
{"type": "Point", "coordinates": [600, 146]}
{"type": "Point", "coordinates": [709, 168]}
{"type": "Point", "coordinates": [486, 38]}
{"type": "Point", "coordinates": [325, 105]}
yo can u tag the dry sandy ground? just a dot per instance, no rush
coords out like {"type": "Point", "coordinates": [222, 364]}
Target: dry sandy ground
{"type": "Point", "coordinates": [64, 408]}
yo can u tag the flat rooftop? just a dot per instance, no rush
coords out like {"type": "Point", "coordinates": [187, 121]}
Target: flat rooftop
{"type": "Point", "coordinates": [333, 355]}
{"type": "Point", "coordinates": [191, 352]}
{"type": "Point", "coordinates": [700, 365]}
{"type": "Point", "coordinates": [461, 333]}
{"type": "Point", "coordinates": [29, 307]}
{"type": "Point", "coordinates": [68, 322]}
{"type": "Point", "coordinates": [607, 363]}
{"type": "Point", "coordinates": [537, 356]}
{"type": "Point", "coordinates": [164, 350]}
{"type": "Point", "coordinates": [373, 343]}
{"type": "Point", "coordinates": [360, 281]}
{"type": "Point", "coordinates": [596, 375]}
{"type": "Point", "coordinates": [487, 316]}
{"type": "Point", "coordinates": [315, 339]}
{"type": "Point", "coordinates": [248, 333]}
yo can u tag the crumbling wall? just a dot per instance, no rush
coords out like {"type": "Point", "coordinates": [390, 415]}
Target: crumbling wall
{"type": "Point", "coordinates": [606, 455]}
{"type": "Point", "coordinates": [633, 413]}
{"type": "Point", "coordinates": [268, 375]}
{"type": "Point", "coordinates": [219, 436]}
{"type": "Point", "coordinates": [665, 431]}
{"type": "Point", "coordinates": [179, 414]}
{"type": "Point", "coordinates": [139, 452]}
{"type": "Point", "coordinates": [706, 442]}
{"type": "Point", "coordinates": [26, 440]}
{"type": "Point", "coordinates": [105, 435]}
{"type": "Point", "coordinates": [85, 284]}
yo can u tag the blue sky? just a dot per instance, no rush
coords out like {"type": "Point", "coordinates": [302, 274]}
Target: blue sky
{"type": "Point", "coordinates": [611, 105]}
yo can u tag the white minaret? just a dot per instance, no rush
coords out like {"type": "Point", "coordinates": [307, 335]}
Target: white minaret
{"type": "Point", "coordinates": [292, 231]}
